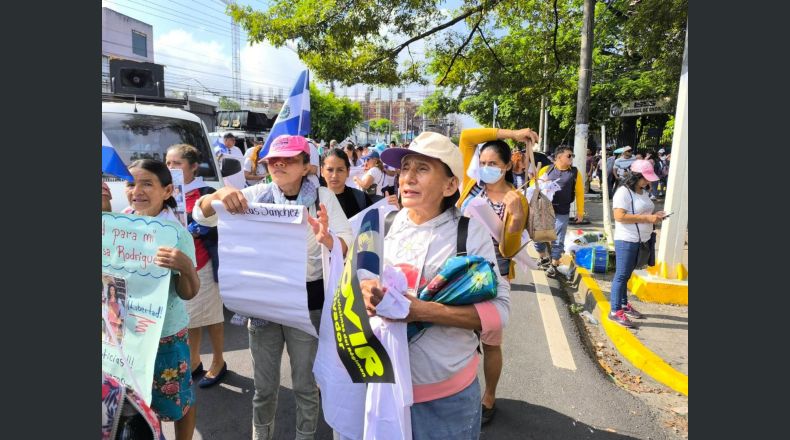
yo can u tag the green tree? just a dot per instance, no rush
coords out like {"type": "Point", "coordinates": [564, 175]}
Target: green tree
{"type": "Point", "coordinates": [332, 117]}
{"type": "Point", "coordinates": [380, 125]}
{"type": "Point", "coordinates": [228, 104]}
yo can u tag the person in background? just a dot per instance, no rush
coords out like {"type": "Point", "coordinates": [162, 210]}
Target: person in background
{"type": "Point", "coordinates": [288, 160]}
{"type": "Point", "coordinates": [497, 189]}
{"type": "Point", "coordinates": [634, 219]}
{"type": "Point", "coordinates": [205, 309]}
{"type": "Point", "coordinates": [257, 173]}
{"type": "Point", "coordinates": [622, 163]}
{"type": "Point", "coordinates": [230, 148]}
{"type": "Point", "coordinates": [373, 180]}
{"type": "Point", "coordinates": [571, 188]}
{"type": "Point", "coordinates": [335, 171]}
{"type": "Point", "coordinates": [106, 196]}
{"type": "Point", "coordinates": [150, 194]}
{"type": "Point", "coordinates": [353, 156]}
{"type": "Point", "coordinates": [590, 168]}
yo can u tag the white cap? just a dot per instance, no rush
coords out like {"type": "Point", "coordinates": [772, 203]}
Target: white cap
{"type": "Point", "coordinates": [428, 143]}
{"type": "Point", "coordinates": [626, 149]}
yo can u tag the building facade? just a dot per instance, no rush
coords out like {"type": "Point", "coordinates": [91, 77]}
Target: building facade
{"type": "Point", "coordinates": [123, 37]}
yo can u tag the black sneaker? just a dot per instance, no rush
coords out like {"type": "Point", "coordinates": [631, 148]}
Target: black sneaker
{"type": "Point", "coordinates": [552, 271]}
{"type": "Point", "coordinates": [544, 263]}
{"type": "Point", "coordinates": [488, 414]}
{"type": "Point", "coordinates": [620, 318]}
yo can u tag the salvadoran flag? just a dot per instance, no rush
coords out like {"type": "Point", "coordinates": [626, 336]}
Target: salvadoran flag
{"type": "Point", "coordinates": [111, 162]}
{"type": "Point", "coordinates": [220, 147]}
{"type": "Point", "coordinates": [294, 117]}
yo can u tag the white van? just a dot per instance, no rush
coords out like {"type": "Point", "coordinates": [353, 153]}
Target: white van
{"type": "Point", "coordinates": [139, 131]}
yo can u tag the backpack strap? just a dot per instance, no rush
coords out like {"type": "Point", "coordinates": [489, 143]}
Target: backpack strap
{"type": "Point", "coordinates": [388, 221]}
{"type": "Point", "coordinates": [463, 232]}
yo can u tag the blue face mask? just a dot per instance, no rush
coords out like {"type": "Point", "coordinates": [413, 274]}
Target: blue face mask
{"type": "Point", "coordinates": [489, 174]}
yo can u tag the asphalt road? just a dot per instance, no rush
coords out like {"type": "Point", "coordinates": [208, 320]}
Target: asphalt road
{"type": "Point", "coordinates": [550, 387]}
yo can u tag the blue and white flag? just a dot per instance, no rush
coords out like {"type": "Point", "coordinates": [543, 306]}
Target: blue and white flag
{"type": "Point", "coordinates": [220, 147]}
{"type": "Point", "coordinates": [111, 162]}
{"type": "Point", "coordinates": [294, 117]}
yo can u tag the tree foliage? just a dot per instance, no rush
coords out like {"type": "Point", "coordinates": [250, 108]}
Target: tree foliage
{"type": "Point", "coordinates": [332, 117]}
{"type": "Point", "coordinates": [509, 51]}
{"type": "Point", "coordinates": [380, 125]}
{"type": "Point", "coordinates": [228, 104]}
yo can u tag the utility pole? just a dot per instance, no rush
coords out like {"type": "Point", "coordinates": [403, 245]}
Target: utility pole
{"type": "Point", "coordinates": [673, 231]}
{"type": "Point", "coordinates": [583, 97]}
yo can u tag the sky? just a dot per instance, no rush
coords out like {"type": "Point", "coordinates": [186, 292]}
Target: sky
{"type": "Point", "coordinates": [192, 38]}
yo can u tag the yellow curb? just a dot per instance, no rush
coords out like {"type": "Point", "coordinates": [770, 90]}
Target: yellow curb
{"type": "Point", "coordinates": [653, 289]}
{"type": "Point", "coordinates": [630, 347]}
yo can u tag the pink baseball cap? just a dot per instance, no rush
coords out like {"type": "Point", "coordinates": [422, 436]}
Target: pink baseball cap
{"type": "Point", "coordinates": [645, 168]}
{"type": "Point", "coordinates": [287, 145]}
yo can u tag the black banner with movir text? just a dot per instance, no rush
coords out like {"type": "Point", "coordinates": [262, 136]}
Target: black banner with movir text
{"type": "Point", "coordinates": [361, 352]}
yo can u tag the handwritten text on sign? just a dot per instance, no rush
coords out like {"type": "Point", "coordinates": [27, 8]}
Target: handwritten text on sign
{"type": "Point", "coordinates": [129, 246]}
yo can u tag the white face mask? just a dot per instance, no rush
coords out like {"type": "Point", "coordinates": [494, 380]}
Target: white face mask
{"type": "Point", "coordinates": [489, 174]}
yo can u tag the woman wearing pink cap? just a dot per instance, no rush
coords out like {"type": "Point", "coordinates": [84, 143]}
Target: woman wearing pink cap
{"type": "Point", "coordinates": [634, 220]}
{"type": "Point", "coordinates": [288, 162]}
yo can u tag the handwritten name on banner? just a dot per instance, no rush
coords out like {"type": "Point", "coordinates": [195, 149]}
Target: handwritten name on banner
{"type": "Point", "coordinates": [264, 263]}
{"type": "Point", "coordinates": [134, 295]}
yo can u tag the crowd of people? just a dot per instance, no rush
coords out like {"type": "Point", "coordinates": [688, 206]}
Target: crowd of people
{"type": "Point", "coordinates": [429, 184]}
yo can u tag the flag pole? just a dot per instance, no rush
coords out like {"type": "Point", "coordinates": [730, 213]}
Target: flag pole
{"type": "Point", "coordinates": [301, 111]}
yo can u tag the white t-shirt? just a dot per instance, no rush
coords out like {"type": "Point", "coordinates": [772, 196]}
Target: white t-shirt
{"type": "Point", "coordinates": [389, 180]}
{"type": "Point", "coordinates": [378, 178]}
{"type": "Point", "coordinates": [642, 205]}
{"type": "Point", "coordinates": [260, 170]}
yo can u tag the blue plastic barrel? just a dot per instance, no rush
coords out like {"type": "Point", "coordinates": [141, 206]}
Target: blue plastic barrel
{"type": "Point", "coordinates": [593, 258]}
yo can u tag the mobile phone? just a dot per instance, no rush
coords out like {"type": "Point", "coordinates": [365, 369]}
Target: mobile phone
{"type": "Point", "coordinates": [667, 215]}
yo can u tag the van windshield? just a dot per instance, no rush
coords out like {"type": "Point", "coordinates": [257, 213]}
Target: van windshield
{"type": "Point", "coordinates": [137, 136]}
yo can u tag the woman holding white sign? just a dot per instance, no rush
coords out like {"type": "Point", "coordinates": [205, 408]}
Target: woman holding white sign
{"type": "Point", "coordinates": [421, 238]}
{"type": "Point", "coordinates": [288, 161]}
{"type": "Point", "coordinates": [151, 194]}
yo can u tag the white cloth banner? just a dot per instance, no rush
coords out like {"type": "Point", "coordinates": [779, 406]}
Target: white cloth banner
{"type": "Point", "coordinates": [388, 405]}
{"type": "Point", "coordinates": [342, 400]}
{"type": "Point", "coordinates": [382, 205]}
{"type": "Point", "coordinates": [264, 263]}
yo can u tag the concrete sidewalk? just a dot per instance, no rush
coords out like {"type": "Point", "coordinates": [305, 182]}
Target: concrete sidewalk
{"type": "Point", "coordinates": [650, 360]}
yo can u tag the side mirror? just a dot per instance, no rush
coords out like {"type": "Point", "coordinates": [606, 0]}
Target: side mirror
{"type": "Point", "coordinates": [230, 166]}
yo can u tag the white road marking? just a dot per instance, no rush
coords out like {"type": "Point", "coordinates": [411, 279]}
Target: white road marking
{"type": "Point", "coordinates": [559, 349]}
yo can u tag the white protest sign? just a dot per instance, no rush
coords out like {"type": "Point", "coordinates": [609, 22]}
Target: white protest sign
{"type": "Point", "coordinates": [479, 209]}
{"type": "Point", "coordinates": [354, 172]}
{"type": "Point", "coordinates": [264, 263]}
{"type": "Point", "coordinates": [178, 194]}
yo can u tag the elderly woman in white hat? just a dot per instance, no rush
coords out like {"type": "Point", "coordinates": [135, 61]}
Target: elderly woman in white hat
{"type": "Point", "coordinates": [444, 357]}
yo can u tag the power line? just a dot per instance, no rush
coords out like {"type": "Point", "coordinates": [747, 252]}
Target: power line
{"type": "Point", "coordinates": [208, 8]}
{"type": "Point", "coordinates": [159, 8]}
{"type": "Point", "coordinates": [170, 19]}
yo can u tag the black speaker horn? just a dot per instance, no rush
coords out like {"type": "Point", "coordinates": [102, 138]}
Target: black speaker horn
{"type": "Point", "coordinates": [137, 78]}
